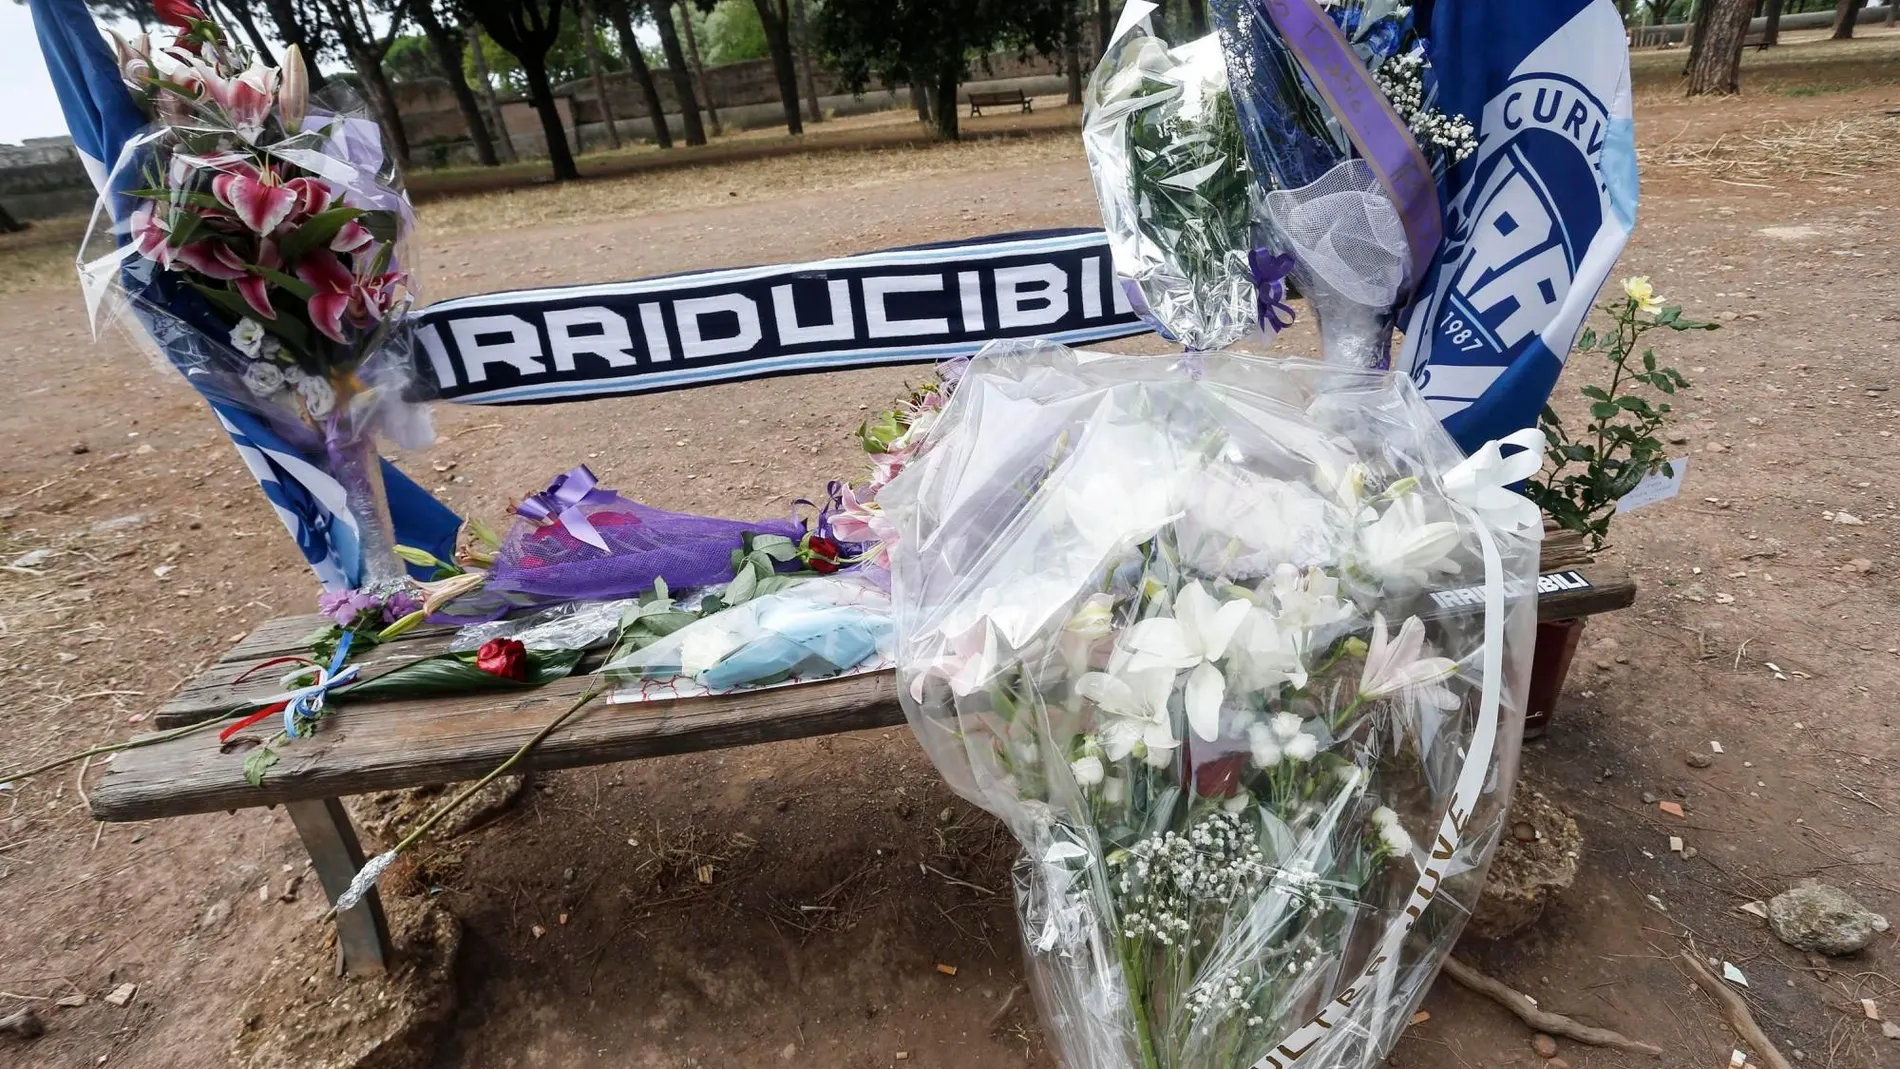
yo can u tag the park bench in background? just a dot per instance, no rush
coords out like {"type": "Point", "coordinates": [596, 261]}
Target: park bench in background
{"type": "Point", "coordinates": [1000, 98]}
{"type": "Point", "coordinates": [369, 747]}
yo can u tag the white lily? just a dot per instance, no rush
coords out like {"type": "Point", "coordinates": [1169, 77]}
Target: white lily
{"type": "Point", "coordinates": [1137, 707]}
{"type": "Point", "coordinates": [1308, 600]}
{"type": "Point", "coordinates": [1399, 665]}
{"type": "Point", "coordinates": [1483, 481]}
{"type": "Point", "coordinates": [1266, 654]}
{"type": "Point", "coordinates": [1402, 547]}
{"type": "Point", "coordinates": [1234, 523]}
{"type": "Point", "coordinates": [1195, 637]}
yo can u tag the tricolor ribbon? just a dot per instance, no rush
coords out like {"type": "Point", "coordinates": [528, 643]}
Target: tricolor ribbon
{"type": "Point", "coordinates": [562, 501]}
{"type": "Point", "coordinates": [304, 702]}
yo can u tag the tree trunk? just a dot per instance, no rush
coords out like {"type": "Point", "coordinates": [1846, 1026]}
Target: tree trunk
{"type": "Point", "coordinates": [1893, 8]}
{"type": "Point", "coordinates": [778, 41]}
{"type": "Point", "coordinates": [1072, 53]}
{"type": "Point", "coordinates": [1104, 25]}
{"type": "Point", "coordinates": [383, 100]}
{"type": "Point", "coordinates": [1846, 16]}
{"type": "Point", "coordinates": [946, 104]}
{"type": "Point", "coordinates": [503, 142]}
{"type": "Point", "coordinates": [1697, 32]}
{"type": "Point", "coordinates": [1771, 34]}
{"type": "Point", "coordinates": [1716, 67]}
{"type": "Point", "coordinates": [920, 97]}
{"type": "Point", "coordinates": [291, 31]}
{"type": "Point", "coordinates": [591, 43]}
{"type": "Point", "coordinates": [630, 48]}
{"type": "Point", "coordinates": [448, 56]}
{"type": "Point", "coordinates": [682, 74]}
{"type": "Point", "coordinates": [241, 12]}
{"type": "Point", "coordinates": [8, 224]}
{"type": "Point", "coordinates": [699, 68]}
{"type": "Point", "coordinates": [1197, 17]}
{"type": "Point", "coordinates": [813, 110]}
{"type": "Point", "coordinates": [541, 93]}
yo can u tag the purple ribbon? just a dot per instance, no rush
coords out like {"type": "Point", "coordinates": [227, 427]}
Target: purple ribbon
{"type": "Point", "coordinates": [1270, 270]}
{"type": "Point", "coordinates": [562, 502]}
{"type": "Point", "coordinates": [1381, 137]}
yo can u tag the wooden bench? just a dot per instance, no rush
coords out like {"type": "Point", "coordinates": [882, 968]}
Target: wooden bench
{"type": "Point", "coordinates": [383, 746]}
{"type": "Point", "coordinates": [1000, 98]}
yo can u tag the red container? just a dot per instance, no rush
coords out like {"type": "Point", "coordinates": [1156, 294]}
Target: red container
{"type": "Point", "coordinates": [1550, 664]}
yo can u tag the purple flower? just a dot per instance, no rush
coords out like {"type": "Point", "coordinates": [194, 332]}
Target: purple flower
{"type": "Point", "coordinates": [399, 605]}
{"type": "Point", "coordinates": [344, 606]}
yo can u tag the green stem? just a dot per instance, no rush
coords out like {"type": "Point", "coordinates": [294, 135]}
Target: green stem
{"type": "Point", "coordinates": [134, 744]}
{"type": "Point", "coordinates": [594, 690]}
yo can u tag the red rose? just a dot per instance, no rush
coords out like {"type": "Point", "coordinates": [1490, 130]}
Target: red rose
{"type": "Point", "coordinates": [179, 13]}
{"type": "Point", "coordinates": [1220, 778]}
{"type": "Point", "coordinates": [504, 657]}
{"type": "Point", "coordinates": [822, 554]}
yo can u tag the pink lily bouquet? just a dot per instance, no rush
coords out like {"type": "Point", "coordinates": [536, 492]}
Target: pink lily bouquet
{"type": "Point", "coordinates": [260, 236]}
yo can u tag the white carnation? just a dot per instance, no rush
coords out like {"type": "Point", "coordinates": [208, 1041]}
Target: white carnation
{"type": "Point", "coordinates": [318, 397]}
{"type": "Point", "coordinates": [263, 379]}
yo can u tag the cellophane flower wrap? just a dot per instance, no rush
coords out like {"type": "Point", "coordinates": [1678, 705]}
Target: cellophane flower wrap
{"type": "Point", "coordinates": [1238, 654]}
{"type": "Point", "coordinates": [260, 237]}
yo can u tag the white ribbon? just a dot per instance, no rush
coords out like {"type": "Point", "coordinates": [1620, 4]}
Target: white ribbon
{"type": "Point", "coordinates": [1482, 482]}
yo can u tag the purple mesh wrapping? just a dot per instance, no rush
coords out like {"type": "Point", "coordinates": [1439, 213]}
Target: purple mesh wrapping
{"type": "Point", "coordinates": [542, 563]}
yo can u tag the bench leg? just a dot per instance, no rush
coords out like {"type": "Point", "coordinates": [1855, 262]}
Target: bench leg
{"type": "Point", "coordinates": [362, 942]}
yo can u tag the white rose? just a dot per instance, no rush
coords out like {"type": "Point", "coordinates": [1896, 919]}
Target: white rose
{"type": "Point", "coordinates": [248, 337]}
{"type": "Point", "coordinates": [318, 397]}
{"type": "Point", "coordinates": [1114, 790]}
{"type": "Point", "coordinates": [294, 374]}
{"type": "Point", "coordinates": [263, 379]}
{"type": "Point", "coordinates": [1088, 771]}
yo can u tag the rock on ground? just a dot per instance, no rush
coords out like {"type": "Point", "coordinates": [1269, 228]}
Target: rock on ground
{"type": "Point", "coordinates": [302, 1015]}
{"type": "Point", "coordinates": [1823, 919]}
{"type": "Point", "coordinates": [1535, 862]}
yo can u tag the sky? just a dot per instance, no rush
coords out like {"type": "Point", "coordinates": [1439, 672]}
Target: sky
{"type": "Point", "coordinates": [28, 107]}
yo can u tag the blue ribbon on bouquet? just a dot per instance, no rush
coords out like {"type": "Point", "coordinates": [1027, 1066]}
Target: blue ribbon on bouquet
{"type": "Point", "coordinates": [1270, 270]}
{"type": "Point", "coordinates": [562, 501]}
{"type": "Point", "coordinates": [307, 702]}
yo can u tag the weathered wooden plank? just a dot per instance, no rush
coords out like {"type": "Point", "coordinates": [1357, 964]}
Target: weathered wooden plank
{"type": "Point", "coordinates": [387, 746]}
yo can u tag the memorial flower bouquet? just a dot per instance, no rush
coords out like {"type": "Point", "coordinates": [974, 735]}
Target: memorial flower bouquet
{"type": "Point", "coordinates": [260, 236]}
{"type": "Point", "coordinates": [1172, 621]}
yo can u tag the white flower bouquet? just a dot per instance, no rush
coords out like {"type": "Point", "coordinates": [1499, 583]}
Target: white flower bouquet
{"type": "Point", "coordinates": [1237, 648]}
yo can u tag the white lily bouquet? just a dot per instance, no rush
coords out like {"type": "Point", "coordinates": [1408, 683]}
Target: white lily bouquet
{"type": "Point", "coordinates": [1237, 648]}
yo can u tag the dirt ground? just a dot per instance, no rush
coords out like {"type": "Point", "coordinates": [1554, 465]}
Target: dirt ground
{"type": "Point", "coordinates": [1766, 623]}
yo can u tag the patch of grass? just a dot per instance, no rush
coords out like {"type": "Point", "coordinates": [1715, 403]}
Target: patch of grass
{"type": "Point", "coordinates": [1814, 90]}
{"type": "Point", "coordinates": [1783, 152]}
{"type": "Point", "coordinates": [43, 253]}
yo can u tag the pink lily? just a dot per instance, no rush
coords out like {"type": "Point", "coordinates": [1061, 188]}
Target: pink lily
{"type": "Point", "coordinates": [353, 237]}
{"type": "Point", "coordinates": [211, 258]}
{"type": "Point", "coordinates": [152, 233]}
{"type": "Point", "coordinates": [257, 198]}
{"type": "Point", "coordinates": [865, 524]}
{"type": "Point", "coordinates": [334, 285]}
{"type": "Point", "coordinates": [254, 289]}
{"type": "Point", "coordinates": [372, 297]}
{"type": "Point", "coordinates": [247, 98]}
{"type": "Point", "coordinates": [313, 195]}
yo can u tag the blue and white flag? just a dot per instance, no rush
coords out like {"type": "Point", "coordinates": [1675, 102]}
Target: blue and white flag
{"type": "Point", "coordinates": [104, 119]}
{"type": "Point", "coordinates": [1535, 219]}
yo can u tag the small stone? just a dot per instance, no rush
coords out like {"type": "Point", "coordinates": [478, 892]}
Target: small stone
{"type": "Point", "coordinates": [1823, 919]}
{"type": "Point", "coordinates": [1545, 1046]}
{"type": "Point", "coordinates": [1689, 852]}
{"type": "Point", "coordinates": [1523, 833]}
{"type": "Point", "coordinates": [80, 449]}
{"type": "Point", "coordinates": [70, 1002]}
{"type": "Point", "coordinates": [1699, 760]}
{"type": "Point", "coordinates": [1890, 1029]}
{"type": "Point", "coordinates": [122, 994]}
{"type": "Point", "coordinates": [1556, 1063]}
{"type": "Point", "coordinates": [1679, 791]}
{"type": "Point", "coordinates": [1674, 809]}
{"type": "Point", "coordinates": [1649, 798]}
{"type": "Point", "coordinates": [217, 914]}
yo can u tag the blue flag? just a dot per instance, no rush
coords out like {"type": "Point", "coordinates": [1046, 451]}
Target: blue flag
{"type": "Point", "coordinates": [1535, 219]}
{"type": "Point", "coordinates": [104, 119]}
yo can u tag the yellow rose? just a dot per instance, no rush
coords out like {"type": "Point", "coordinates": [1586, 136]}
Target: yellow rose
{"type": "Point", "coordinates": [1639, 290]}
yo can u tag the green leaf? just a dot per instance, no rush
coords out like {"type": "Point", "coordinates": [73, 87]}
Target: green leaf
{"type": "Point", "coordinates": [259, 762]}
{"type": "Point", "coordinates": [1649, 360]}
{"type": "Point", "coordinates": [297, 287]}
{"type": "Point", "coordinates": [1603, 410]}
{"type": "Point", "coordinates": [290, 330]}
{"type": "Point", "coordinates": [384, 226]}
{"type": "Point", "coordinates": [455, 673]}
{"type": "Point", "coordinates": [1668, 316]}
{"type": "Point", "coordinates": [776, 547]}
{"type": "Point", "coordinates": [1595, 393]}
{"type": "Point", "coordinates": [316, 232]}
{"type": "Point", "coordinates": [743, 587]}
{"type": "Point", "coordinates": [179, 196]}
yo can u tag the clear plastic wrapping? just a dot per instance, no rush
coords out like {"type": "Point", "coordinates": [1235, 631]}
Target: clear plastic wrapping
{"type": "Point", "coordinates": [1241, 668]}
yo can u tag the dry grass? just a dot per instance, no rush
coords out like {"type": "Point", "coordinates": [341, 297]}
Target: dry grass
{"type": "Point", "coordinates": [1782, 152]}
{"type": "Point", "coordinates": [753, 180]}
{"type": "Point", "coordinates": [41, 254]}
